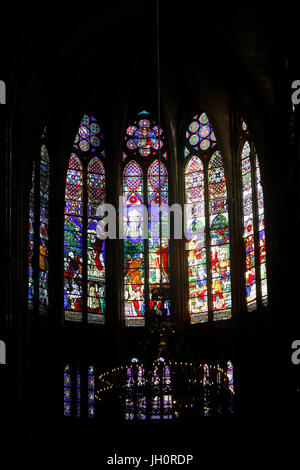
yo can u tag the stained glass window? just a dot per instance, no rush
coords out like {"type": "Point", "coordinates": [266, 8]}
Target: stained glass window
{"type": "Point", "coordinates": [219, 239]}
{"type": "Point", "coordinates": [159, 402]}
{"type": "Point", "coordinates": [162, 400]}
{"type": "Point", "coordinates": [134, 269]}
{"type": "Point", "coordinates": [91, 392]}
{"type": "Point", "coordinates": [31, 242]}
{"type": "Point", "coordinates": [84, 262]}
{"type": "Point", "coordinates": [200, 134]}
{"type": "Point", "coordinates": [39, 222]}
{"type": "Point", "coordinates": [144, 138]}
{"type": "Point", "coordinates": [158, 231]}
{"type": "Point", "coordinates": [230, 375]}
{"type": "Point", "coordinates": [206, 225]}
{"type": "Point", "coordinates": [72, 390]}
{"type": "Point", "coordinates": [129, 399]}
{"type": "Point", "coordinates": [248, 232]}
{"type": "Point", "coordinates": [89, 136]}
{"type": "Point", "coordinates": [78, 392]}
{"type": "Point", "coordinates": [44, 225]}
{"type": "Point", "coordinates": [67, 390]}
{"type": "Point", "coordinates": [135, 399]}
{"type": "Point", "coordinates": [96, 245]}
{"type": "Point", "coordinates": [261, 234]}
{"type": "Point", "coordinates": [146, 244]}
{"type": "Point", "coordinates": [196, 240]}
{"type": "Point", "coordinates": [254, 224]}
{"type": "Point", "coordinates": [230, 386]}
{"type": "Point", "coordinates": [73, 251]}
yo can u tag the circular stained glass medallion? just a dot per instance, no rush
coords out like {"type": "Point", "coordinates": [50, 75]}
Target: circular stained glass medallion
{"type": "Point", "coordinates": [131, 145]}
{"type": "Point", "coordinates": [203, 118]}
{"type": "Point", "coordinates": [84, 145]}
{"type": "Point", "coordinates": [95, 128]}
{"type": "Point", "coordinates": [205, 144]}
{"type": "Point", "coordinates": [95, 141]}
{"type": "Point", "coordinates": [204, 131]}
{"type": "Point", "coordinates": [194, 139]}
{"type": "Point", "coordinates": [144, 138]}
{"type": "Point", "coordinates": [84, 131]}
{"type": "Point", "coordinates": [194, 126]}
{"type": "Point", "coordinates": [144, 123]}
{"type": "Point", "coordinates": [131, 130]}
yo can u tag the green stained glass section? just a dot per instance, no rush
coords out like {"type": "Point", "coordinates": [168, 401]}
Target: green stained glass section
{"type": "Point", "coordinates": [219, 239]}
{"type": "Point", "coordinates": [196, 240]}
{"type": "Point", "coordinates": [95, 243]}
{"type": "Point", "coordinates": [73, 233]}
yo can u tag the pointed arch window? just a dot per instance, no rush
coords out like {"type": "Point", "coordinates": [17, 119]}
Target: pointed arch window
{"type": "Point", "coordinates": [84, 249]}
{"type": "Point", "coordinates": [206, 224]}
{"type": "Point", "coordinates": [253, 223]}
{"type": "Point", "coordinates": [38, 268]}
{"type": "Point", "coordinates": [146, 247]}
{"type": "Point", "coordinates": [72, 390]}
{"type": "Point", "coordinates": [135, 397]}
{"type": "Point", "coordinates": [162, 399]}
